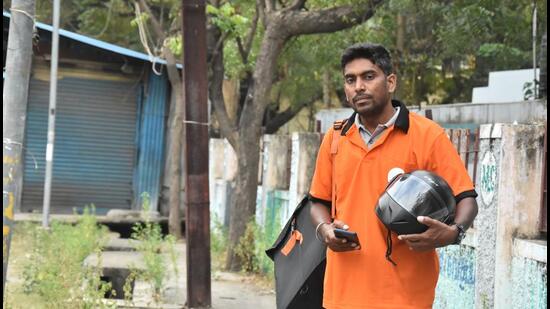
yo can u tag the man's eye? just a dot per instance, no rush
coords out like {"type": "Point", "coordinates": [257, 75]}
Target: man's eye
{"type": "Point", "coordinates": [369, 76]}
{"type": "Point", "coordinates": [350, 80]}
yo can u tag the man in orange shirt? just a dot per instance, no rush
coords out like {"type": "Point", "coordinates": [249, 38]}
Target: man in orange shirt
{"type": "Point", "coordinates": [379, 137]}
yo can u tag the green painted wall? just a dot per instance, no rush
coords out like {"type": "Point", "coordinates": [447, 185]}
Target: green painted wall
{"type": "Point", "coordinates": [529, 284]}
{"type": "Point", "coordinates": [455, 287]}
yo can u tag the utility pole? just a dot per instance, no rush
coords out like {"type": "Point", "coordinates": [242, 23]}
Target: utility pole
{"type": "Point", "coordinates": [197, 223]}
{"type": "Point", "coordinates": [534, 42]}
{"type": "Point", "coordinates": [51, 115]}
{"type": "Point", "coordinates": [14, 96]}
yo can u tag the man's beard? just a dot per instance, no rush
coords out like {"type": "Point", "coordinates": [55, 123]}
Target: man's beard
{"type": "Point", "coordinates": [375, 108]}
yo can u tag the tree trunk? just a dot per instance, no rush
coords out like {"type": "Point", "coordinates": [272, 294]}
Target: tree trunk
{"type": "Point", "coordinates": [15, 94]}
{"type": "Point", "coordinates": [279, 27]}
{"type": "Point", "coordinates": [248, 150]}
{"type": "Point", "coordinates": [174, 216]}
{"type": "Point", "coordinates": [543, 90]}
{"type": "Point", "coordinates": [244, 200]}
{"type": "Point", "coordinates": [177, 147]}
{"type": "Point", "coordinates": [326, 89]}
{"type": "Point", "coordinates": [400, 51]}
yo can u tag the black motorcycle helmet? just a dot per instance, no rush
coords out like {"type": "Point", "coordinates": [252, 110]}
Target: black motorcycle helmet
{"type": "Point", "coordinates": [409, 195]}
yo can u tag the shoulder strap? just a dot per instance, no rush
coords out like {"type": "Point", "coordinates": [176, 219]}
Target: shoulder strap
{"type": "Point", "coordinates": [336, 133]}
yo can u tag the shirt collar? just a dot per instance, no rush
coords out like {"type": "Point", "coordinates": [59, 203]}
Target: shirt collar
{"type": "Point", "coordinates": [386, 125]}
{"type": "Point", "coordinates": [401, 118]}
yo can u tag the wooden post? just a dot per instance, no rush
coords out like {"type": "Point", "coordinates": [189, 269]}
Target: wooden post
{"type": "Point", "coordinates": [196, 180]}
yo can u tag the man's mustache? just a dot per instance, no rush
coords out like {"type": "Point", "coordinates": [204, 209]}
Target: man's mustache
{"type": "Point", "coordinates": [361, 97]}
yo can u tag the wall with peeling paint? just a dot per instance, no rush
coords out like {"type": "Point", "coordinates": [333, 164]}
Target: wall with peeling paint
{"type": "Point", "coordinates": [502, 265]}
{"type": "Point", "coordinates": [456, 284]}
{"type": "Point", "coordinates": [529, 284]}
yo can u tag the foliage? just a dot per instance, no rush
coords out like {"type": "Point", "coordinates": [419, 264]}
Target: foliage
{"type": "Point", "coordinates": [451, 47]}
{"type": "Point", "coordinates": [54, 270]}
{"type": "Point", "coordinates": [246, 249]}
{"type": "Point", "coordinates": [218, 242]}
{"type": "Point", "coordinates": [226, 18]}
{"type": "Point", "coordinates": [151, 243]}
{"type": "Point", "coordinates": [252, 246]}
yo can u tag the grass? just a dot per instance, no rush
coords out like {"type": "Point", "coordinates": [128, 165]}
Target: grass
{"type": "Point", "coordinates": [250, 249]}
{"type": "Point", "coordinates": [218, 244]}
{"type": "Point", "coordinates": [151, 243]}
{"type": "Point", "coordinates": [47, 270]}
{"type": "Point", "coordinates": [48, 265]}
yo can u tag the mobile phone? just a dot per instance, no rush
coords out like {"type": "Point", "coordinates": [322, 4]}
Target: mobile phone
{"type": "Point", "coordinates": [350, 236]}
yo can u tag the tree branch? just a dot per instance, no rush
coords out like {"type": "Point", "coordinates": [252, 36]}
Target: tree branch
{"type": "Point", "coordinates": [296, 6]}
{"type": "Point", "coordinates": [260, 5]}
{"type": "Point", "coordinates": [219, 46]}
{"type": "Point", "coordinates": [329, 20]}
{"type": "Point", "coordinates": [173, 73]}
{"type": "Point", "coordinates": [242, 52]}
{"type": "Point", "coordinates": [157, 28]}
{"type": "Point", "coordinates": [285, 116]}
{"type": "Point", "coordinates": [245, 49]}
{"type": "Point", "coordinates": [270, 6]}
{"type": "Point", "coordinates": [215, 86]}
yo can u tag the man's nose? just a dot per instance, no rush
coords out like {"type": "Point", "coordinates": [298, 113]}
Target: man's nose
{"type": "Point", "coordinates": [360, 86]}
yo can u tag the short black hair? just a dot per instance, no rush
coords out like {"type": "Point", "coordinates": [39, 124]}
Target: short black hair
{"type": "Point", "coordinates": [376, 53]}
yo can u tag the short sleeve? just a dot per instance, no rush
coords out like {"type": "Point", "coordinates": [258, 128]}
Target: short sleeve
{"type": "Point", "coordinates": [321, 184]}
{"type": "Point", "coordinates": [445, 161]}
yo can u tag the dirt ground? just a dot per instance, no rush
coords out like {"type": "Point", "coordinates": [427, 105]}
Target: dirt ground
{"type": "Point", "coordinates": [229, 290]}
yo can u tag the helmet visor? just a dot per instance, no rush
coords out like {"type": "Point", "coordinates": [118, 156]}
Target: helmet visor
{"type": "Point", "coordinates": [415, 195]}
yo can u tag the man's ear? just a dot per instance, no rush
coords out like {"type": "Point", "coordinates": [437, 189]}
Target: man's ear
{"type": "Point", "coordinates": [391, 81]}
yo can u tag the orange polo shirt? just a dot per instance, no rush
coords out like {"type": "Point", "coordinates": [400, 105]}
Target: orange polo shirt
{"type": "Point", "coordinates": [364, 278]}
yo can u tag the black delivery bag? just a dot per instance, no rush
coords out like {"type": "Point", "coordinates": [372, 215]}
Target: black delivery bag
{"type": "Point", "coordinates": [299, 262]}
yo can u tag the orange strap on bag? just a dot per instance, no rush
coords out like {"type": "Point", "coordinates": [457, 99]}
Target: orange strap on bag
{"type": "Point", "coordinates": [294, 236]}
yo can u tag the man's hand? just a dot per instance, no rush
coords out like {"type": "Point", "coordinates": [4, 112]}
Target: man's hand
{"type": "Point", "coordinates": [326, 231]}
{"type": "Point", "coordinates": [438, 235]}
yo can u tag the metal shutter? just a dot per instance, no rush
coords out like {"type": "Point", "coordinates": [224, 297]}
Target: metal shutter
{"type": "Point", "coordinates": [94, 154]}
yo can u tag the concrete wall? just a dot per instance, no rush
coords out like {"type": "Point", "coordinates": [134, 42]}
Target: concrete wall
{"type": "Point", "coordinates": [456, 284]}
{"type": "Point", "coordinates": [505, 86]}
{"type": "Point", "coordinates": [275, 171]}
{"type": "Point", "coordinates": [222, 173]}
{"type": "Point", "coordinates": [304, 153]}
{"type": "Point", "coordinates": [287, 166]}
{"type": "Point", "coordinates": [529, 274]}
{"type": "Point", "coordinates": [519, 198]}
{"type": "Point", "coordinates": [465, 115]}
{"type": "Point", "coordinates": [527, 112]}
{"type": "Point", "coordinates": [501, 264]}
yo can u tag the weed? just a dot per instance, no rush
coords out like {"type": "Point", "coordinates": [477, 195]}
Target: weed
{"type": "Point", "coordinates": [218, 243]}
{"type": "Point", "coordinates": [252, 246]}
{"type": "Point", "coordinates": [150, 244]}
{"type": "Point", "coordinates": [54, 270]}
{"type": "Point", "coordinates": [127, 288]}
{"type": "Point", "coordinates": [246, 248]}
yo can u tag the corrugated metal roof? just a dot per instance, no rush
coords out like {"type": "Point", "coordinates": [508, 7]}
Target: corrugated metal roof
{"type": "Point", "coordinates": [99, 44]}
